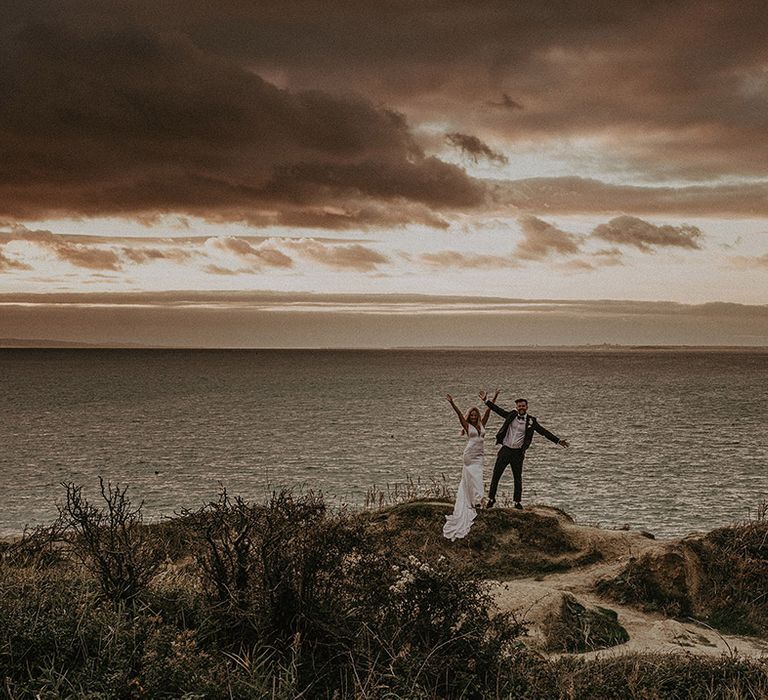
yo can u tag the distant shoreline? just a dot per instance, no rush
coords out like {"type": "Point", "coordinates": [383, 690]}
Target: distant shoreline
{"type": "Point", "coordinates": [53, 344]}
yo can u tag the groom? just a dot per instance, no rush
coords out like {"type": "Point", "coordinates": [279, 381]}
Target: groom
{"type": "Point", "coordinates": [515, 438]}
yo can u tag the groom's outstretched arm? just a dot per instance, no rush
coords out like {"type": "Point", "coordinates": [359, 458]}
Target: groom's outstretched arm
{"type": "Point", "coordinates": [541, 430]}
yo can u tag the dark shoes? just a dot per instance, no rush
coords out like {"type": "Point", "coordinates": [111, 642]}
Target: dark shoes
{"type": "Point", "coordinates": [492, 502]}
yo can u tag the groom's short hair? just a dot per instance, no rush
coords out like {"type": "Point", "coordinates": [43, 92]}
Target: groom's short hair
{"type": "Point", "coordinates": [521, 400]}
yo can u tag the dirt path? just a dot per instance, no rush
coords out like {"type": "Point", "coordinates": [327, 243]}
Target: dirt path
{"type": "Point", "coordinates": [536, 599]}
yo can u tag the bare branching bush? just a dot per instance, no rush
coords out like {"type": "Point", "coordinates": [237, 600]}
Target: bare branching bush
{"type": "Point", "coordinates": [225, 528]}
{"type": "Point", "coordinates": [303, 561]}
{"type": "Point", "coordinates": [41, 546]}
{"type": "Point", "coordinates": [273, 567]}
{"type": "Point", "coordinates": [110, 539]}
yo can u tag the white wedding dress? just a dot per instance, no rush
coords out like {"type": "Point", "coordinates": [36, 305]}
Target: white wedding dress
{"type": "Point", "coordinates": [470, 492]}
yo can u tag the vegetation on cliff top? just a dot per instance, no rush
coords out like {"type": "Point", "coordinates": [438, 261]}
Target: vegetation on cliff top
{"type": "Point", "coordinates": [288, 599]}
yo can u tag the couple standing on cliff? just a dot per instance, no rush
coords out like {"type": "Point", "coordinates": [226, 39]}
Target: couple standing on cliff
{"type": "Point", "coordinates": [514, 436]}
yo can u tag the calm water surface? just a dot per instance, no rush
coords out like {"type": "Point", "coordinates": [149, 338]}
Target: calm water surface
{"type": "Point", "coordinates": [667, 441]}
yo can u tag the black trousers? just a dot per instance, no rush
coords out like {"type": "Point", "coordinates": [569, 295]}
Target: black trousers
{"type": "Point", "coordinates": [512, 457]}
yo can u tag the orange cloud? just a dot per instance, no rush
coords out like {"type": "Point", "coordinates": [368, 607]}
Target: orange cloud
{"type": "Point", "coordinates": [140, 255]}
{"type": "Point", "coordinates": [576, 195]}
{"type": "Point", "coordinates": [745, 262]}
{"type": "Point", "coordinates": [353, 256]}
{"type": "Point", "coordinates": [89, 257]}
{"type": "Point", "coordinates": [7, 263]}
{"type": "Point", "coordinates": [541, 240]}
{"type": "Point", "coordinates": [629, 230]}
{"type": "Point", "coordinates": [258, 256]}
{"type": "Point", "coordinates": [453, 258]}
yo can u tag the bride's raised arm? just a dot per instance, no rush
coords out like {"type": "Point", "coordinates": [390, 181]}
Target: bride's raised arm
{"type": "Point", "coordinates": [462, 420]}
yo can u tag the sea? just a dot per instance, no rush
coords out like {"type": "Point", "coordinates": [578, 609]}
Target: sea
{"type": "Point", "coordinates": [670, 441]}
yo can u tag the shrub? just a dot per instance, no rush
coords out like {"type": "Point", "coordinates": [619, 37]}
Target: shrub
{"type": "Point", "coordinates": [57, 634]}
{"type": "Point", "coordinates": [278, 572]}
{"type": "Point", "coordinates": [39, 547]}
{"type": "Point", "coordinates": [672, 677]}
{"type": "Point", "coordinates": [292, 600]}
{"type": "Point", "coordinates": [433, 630]}
{"type": "Point", "coordinates": [60, 638]}
{"type": "Point", "coordinates": [736, 561]}
{"type": "Point", "coordinates": [226, 555]}
{"type": "Point", "coordinates": [111, 540]}
{"type": "Point", "coordinates": [174, 664]}
{"type": "Point", "coordinates": [312, 592]}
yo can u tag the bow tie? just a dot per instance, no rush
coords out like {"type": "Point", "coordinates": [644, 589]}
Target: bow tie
{"type": "Point", "coordinates": [521, 417]}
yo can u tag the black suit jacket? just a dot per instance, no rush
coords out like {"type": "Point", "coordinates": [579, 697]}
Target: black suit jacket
{"type": "Point", "coordinates": [531, 426]}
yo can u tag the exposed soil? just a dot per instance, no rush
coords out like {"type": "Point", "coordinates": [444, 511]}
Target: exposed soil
{"type": "Point", "coordinates": [577, 587]}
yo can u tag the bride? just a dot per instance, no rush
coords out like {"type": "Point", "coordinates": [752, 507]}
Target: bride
{"type": "Point", "coordinates": [470, 493]}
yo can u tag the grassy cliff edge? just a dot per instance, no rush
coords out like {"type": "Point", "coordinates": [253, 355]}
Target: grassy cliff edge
{"type": "Point", "coordinates": [289, 598]}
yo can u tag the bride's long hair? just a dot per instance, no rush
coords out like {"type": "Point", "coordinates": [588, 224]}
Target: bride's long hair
{"type": "Point", "coordinates": [479, 423]}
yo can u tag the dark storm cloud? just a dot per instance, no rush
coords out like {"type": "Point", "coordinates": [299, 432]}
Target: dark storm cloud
{"type": "Point", "coordinates": [474, 148]}
{"type": "Point", "coordinates": [505, 102]}
{"type": "Point", "coordinates": [242, 111]}
{"type": "Point", "coordinates": [129, 120]}
{"type": "Point", "coordinates": [542, 240]}
{"type": "Point", "coordinates": [672, 86]}
{"type": "Point", "coordinates": [629, 230]}
{"type": "Point", "coordinates": [358, 213]}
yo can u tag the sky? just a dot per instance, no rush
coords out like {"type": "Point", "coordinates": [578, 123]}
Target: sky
{"type": "Point", "coordinates": [384, 174]}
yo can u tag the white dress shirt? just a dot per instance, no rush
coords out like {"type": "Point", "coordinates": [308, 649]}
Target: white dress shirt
{"type": "Point", "coordinates": [515, 432]}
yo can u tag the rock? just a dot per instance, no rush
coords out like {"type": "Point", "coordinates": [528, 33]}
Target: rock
{"type": "Point", "coordinates": [558, 622]}
{"type": "Point", "coordinates": [667, 579]}
{"type": "Point", "coordinates": [583, 628]}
